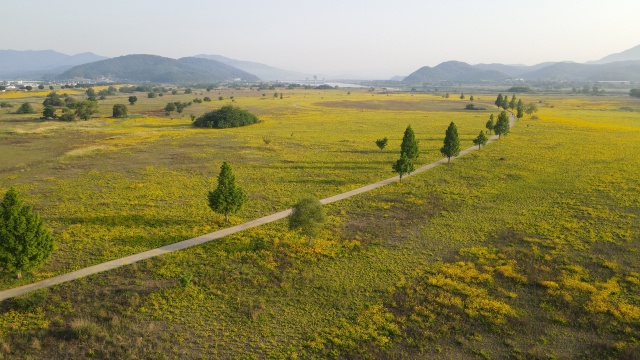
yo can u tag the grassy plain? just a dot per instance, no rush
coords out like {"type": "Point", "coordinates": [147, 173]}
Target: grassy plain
{"type": "Point", "coordinates": [526, 249]}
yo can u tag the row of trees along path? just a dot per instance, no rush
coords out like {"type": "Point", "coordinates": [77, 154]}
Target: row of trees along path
{"type": "Point", "coordinates": [13, 209]}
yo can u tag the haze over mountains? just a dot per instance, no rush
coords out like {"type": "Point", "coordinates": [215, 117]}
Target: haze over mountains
{"type": "Point", "coordinates": [33, 65]}
{"type": "Point", "coordinates": [264, 72]}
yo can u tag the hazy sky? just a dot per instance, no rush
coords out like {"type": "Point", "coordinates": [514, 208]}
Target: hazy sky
{"type": "Point", "coordinates": [374, 38]}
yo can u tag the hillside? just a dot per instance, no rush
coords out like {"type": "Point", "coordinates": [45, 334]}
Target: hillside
{"type": "Point", "coordinates": [617, 71]}
{"type": "Point", "coordinates": [16, 63]}
{"type": "Point", "coordinates": [627, 55]}
{"type": "Point", "coordinates": [264, 72]}
{"type": "Point", "coordinates": [454, 71]}
{"type": "Point", "coordinates": [159, 69]}
{"type": "Point", "coordinates": [513, 70]}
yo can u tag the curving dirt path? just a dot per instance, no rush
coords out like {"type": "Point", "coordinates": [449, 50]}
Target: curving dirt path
{"type": "Point", "coordinates": [20, 290]}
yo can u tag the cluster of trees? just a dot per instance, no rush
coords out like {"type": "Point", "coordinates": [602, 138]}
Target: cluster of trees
{"type": "Point", "coordinates": [409, 149]}
{"type": "Point", "coordinates": [176, 106]}
{"type": "Point", "coordinates": [501, 126]}
{"type": "Point", "coordinates": [635, 93]}
{"type": "Point", "coordinates": [595, 90]}
{"type": "Point", "coordinates": [226, 117]}
{"type": "Point", "coordinates": [82, 109]}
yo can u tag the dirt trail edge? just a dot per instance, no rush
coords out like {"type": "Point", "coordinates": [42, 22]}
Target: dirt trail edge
{"type": "Point", "coordinates": [20, 290]}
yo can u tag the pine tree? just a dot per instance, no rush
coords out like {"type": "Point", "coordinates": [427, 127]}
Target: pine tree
{"type": "Point", "coordinates": [409, 145]}
{"type": "Point", "coordinates": [505, 102]}
{"type": "Point", "coordinates": [512, 103]}
{"type": "Point", "coordinates": [307, 215]}
{"type": "Point", "coordinates": [499, 100]}
{"type": "Point", "coordinates": [451, 146]}
{"type": "Point", "coordinates": [24, 242]}
{"type": "Point", "coordinates": [461, 96]}
{"type": "Point", "coordinates": [227, 198]}
{"type": "Point", "coordinates": [520, 108]}
{"type": "Point", "coordinates": [490, 124]}
{"type": "Point", "coordinates": [480, 140]}
{"type": "Point", "coordinates": [404, 165]}
{"type": "Point", "coordinates": [502, 125]}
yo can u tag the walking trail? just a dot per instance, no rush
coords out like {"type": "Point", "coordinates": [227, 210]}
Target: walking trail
{"type": "Point", "coordinates": [20, 290]}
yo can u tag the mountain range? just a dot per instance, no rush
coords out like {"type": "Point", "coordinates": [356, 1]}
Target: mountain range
{"type": "Point", "coordinates": [157, 69]}
{"type": "Point", "coordinates": [50, 64]}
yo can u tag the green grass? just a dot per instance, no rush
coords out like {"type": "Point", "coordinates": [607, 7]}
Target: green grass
{"type": "Point", "coordinates": [554, 202]}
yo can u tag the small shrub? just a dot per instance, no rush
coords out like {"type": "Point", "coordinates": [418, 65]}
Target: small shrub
{"type": "Point", "coordinates": [266, 140]}
{"type": "Point", "coordinates": [119, 111]}
{"type": "Point", "coordinates": [206, 98]}
{"type": "Point", "coordinates": [5, 104]}
{"type": "Point", "coordinates": [534, 117]}
{"type": "Point", "coordinates": [185, 280]}
{"type": "Point", "coordinates": [83, 328]}
{"type": "Point", "coordinates": [25, 109]}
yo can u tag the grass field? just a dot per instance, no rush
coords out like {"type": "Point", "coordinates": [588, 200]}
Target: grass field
{"type": "Point", "coordinates": [525, 249]}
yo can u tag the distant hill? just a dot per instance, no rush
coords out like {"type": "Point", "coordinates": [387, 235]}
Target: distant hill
{"type": "Point", "coordinates": [617, 71]}
{"type": "Point", "coordinates": [264, 72]}
{"type": "Point", "coordinates": [627, 55]}
{"type": "Point", "coordinates": [454, 71]}
{"type": "Point", "coordinates": [31, 63]}
{"type": "Point", "coordinates": [158, 69]}
{"type": "Point", "coordinates": [397, 78]}
{"type": "Point", "coordinates": [513, 70]}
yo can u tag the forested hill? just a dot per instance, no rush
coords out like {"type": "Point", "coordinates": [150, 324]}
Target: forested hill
{"type": "Point", "coordinates": [158, 69]}
{"type": "Point", "coordinates": [454, 71]}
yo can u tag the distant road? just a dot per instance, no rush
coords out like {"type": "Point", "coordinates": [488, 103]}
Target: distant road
{"type": "Point", "coordinates": [109, 265]}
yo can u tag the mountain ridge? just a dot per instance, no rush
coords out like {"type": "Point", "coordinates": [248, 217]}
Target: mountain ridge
{"type": "Point", "coordinates": [154, 68]}
{"type": "Point", "coordinates": [454, 71]}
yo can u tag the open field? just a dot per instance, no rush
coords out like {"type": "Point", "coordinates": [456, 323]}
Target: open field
{"type": "Point", "coordinates": [527, 248]}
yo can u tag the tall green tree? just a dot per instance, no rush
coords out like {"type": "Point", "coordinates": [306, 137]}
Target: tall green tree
{"type": "Point", "coordinates": [227, 198]}
{"type": "Point", "coordinates": [133, 99]}
{"type": "Point", "coordinates": [512, 103]}
{"type": "Point", "coordinates": [307, 216]}
{"type": "Point", "coordinates": [461, 96]}
{"type": "Point", "coordinates": [451, 146]}
{"type": "Point", "coordinates": [490, 124]}
{"type": "Point", "coordinates": [481, 140]}
{"type": "Point", "coordinates": [91, 93]}
{"type": "Point", "coordinates": [409, 145]}
{"type": "Point", "coordinates": [520, 109]}
{"type": "Point", "coordinates": [471, 98]}
{"type": "Point", "coordinates": [402, 166]}
{"type": "Point", "coordinates": [505, 102]}
{"type": "Point", "coordinates": [531, 109]}
{"type": "Point", "coordinates": [499, 100]}
{"type": "Point", "coordinates": [502, 125]}
{"type": "Point", "coordinates": [25, 243]}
